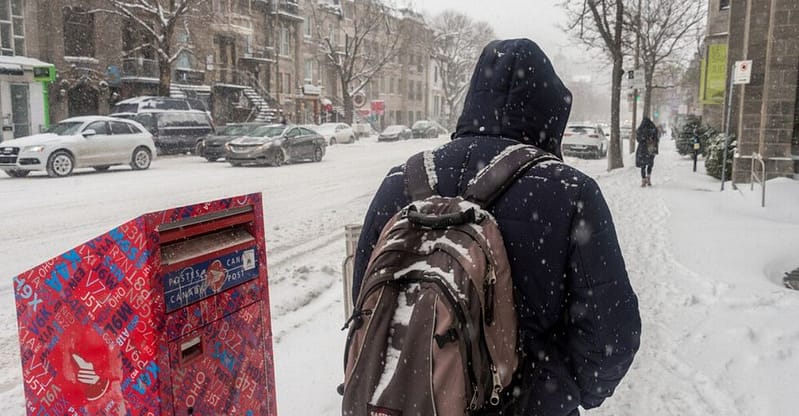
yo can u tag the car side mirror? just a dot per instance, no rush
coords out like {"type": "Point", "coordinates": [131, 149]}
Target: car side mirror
{"type": "Point", "coordinates": [89, 133]}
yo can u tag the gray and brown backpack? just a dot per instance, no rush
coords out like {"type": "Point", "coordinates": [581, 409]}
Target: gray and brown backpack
{"type": "Point", "coordinates": [434, 329]}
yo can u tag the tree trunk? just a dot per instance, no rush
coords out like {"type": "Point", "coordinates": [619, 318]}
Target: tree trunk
{"type": "Point", "coordinates": [648, 76]}
{"type": "Point", "coordinates": [347, 102]}
{"type": "Point", "coordinates": [164, 77]}
{"type": "Point", "coordinates": [633, 130]}
{"type": "Point", "coordinates": [615, 159]}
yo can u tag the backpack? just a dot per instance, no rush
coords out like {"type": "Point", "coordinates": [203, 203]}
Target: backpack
{"type": "Point", "coordinates": [434, 329]}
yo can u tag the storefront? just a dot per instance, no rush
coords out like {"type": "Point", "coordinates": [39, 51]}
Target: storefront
{"type": "Point", "coordinates": [24, 108]}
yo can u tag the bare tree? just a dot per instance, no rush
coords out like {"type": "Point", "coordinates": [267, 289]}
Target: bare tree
{"type": "Point", "coordinates": [156, 20]}
{"type": "Point", "coordinates": [599, 25]}
{"type": "Point", "coordinates": [456, 44]}
{"type": "Point", "coordinates": [373, 35]}
{"type": "Point", "coordinates": [666, 30]}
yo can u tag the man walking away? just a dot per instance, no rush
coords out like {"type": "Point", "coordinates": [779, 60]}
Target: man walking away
{"type": "Point", "coordinates": [578, 319]}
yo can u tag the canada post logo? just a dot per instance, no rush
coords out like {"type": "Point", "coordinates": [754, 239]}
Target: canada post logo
{"type": "Point", "coordinates": [199, 281]}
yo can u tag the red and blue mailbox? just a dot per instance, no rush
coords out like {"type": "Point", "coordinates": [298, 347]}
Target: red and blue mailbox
{"type": "Point", "coordinates": [165, 315]}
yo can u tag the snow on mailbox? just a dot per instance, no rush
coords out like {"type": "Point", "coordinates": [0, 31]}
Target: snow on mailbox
{"type": "Point", "coordinates": [166, 315]}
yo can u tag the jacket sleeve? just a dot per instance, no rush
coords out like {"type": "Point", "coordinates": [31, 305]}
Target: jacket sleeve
{"type": "Point", "coordinates": [603, 325]}
{"type": "Point", "coordinates": [388, 200]}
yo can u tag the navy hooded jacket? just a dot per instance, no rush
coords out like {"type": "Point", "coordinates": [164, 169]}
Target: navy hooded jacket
{"type": "Point", "coordinates": [578, 314]}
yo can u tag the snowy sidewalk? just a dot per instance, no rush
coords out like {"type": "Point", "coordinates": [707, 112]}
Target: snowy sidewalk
{"type": "Point", "coordinates": [719, 334]}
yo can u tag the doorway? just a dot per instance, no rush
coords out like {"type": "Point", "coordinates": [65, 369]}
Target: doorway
{"type": "Point", "coordinates": [20, 110]}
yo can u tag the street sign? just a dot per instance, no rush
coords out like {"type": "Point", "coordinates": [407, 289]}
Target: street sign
{"type": "Point", "coordinates": [635, 79]}
{"type": "Point", "coordinates": [742, 73]}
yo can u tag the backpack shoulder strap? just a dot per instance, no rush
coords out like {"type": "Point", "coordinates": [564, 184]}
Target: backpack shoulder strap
{"type": "Point", "coordinates": [420, 176]}
{"type": "Point", "coordinates": [510, 164]}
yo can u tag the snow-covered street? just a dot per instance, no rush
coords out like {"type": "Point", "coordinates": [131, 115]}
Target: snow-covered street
{"type": "Point", "coordinates": [719, 333]}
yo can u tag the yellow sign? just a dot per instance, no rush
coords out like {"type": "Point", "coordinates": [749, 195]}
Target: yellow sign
{"type": "Point", "coordinates": [715, 76]}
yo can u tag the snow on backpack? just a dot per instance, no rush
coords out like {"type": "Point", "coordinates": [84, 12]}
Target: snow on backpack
{"type": "Point", "coordinates": [434, 330]}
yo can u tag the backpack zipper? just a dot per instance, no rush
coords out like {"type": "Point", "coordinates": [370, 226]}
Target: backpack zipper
{"type": "Point", "coordinates": [497, 386]}
{"type": "Point", "coordinates": [489, 296]}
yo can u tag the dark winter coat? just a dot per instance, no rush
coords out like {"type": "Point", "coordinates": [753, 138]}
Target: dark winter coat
{"type": "Point", "coordinates": [579, 318]}
{"type": "Point", "coordinates": [646, 131]}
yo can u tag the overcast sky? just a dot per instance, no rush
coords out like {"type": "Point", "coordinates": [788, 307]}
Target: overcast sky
{"type": "Point", "coordinates": [539, 20]}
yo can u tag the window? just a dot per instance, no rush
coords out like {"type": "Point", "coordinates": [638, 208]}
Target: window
{"type": "Point", "coordinates": [184, 60]}
{"type": "Point", "coordinates": [391, 85]}
{"type": "Point", "coordinates": [99, 127]}
{"type": "Point", "coordinates": [435, 74]}
{"type": "Point", "coordinates": [12, 28]}
{"type": "Point", "coordinates": [308, 70]}
{"type": "Point", "coordinates": [724, 4]}
{"type": "Point", "coordinates": [78, 32]}
{"type": "Point", "coordinates": [410, 117]}
{"type": "Point", "coordinates": [287, 83]}
{"type": "Point", "coordinates": [419, 91]}
{"type": "Point", "coordinates": [306, 28]}
{"type": "Point", "coordinates": [118, 127]}
{"type": "Point", "coordinates": [284, 42]}
{"type": "Point", "coordinates": [410, 90]}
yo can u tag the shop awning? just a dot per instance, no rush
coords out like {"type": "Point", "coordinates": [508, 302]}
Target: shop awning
{"type": "Point", "coordinates": [11, 69]}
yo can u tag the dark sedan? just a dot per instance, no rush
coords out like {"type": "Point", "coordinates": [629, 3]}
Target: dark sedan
{"type": "Point", "coordinates": [394, 133]}
{"type": "Point", "coordinates": [275, 145]}
{"type": "Point", "coordinates": [426, 129]}
{"type": "Point", "coordinates": [212, 147]}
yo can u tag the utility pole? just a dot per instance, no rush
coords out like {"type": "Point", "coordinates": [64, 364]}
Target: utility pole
{"type": "Point", "coordinates": [633, 132]}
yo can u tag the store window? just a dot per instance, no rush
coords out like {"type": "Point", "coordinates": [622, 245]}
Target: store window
{"type": "Point", "coordinates": [284, 42]}
{"type": "Point", "coordinates": [308, 71]}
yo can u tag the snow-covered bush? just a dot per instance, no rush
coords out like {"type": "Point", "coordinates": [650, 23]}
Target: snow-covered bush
{"type": "Point", "coordinates": [715, 153]}
{"type": "Point", "coordinates": [693, 125]}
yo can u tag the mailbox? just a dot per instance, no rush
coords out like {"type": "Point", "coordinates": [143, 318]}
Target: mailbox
{"type": "Point", "coordinates": [167, 314]}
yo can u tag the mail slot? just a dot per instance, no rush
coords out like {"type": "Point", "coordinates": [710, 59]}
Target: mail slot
{"type": "Point", "coordinates": [167, 314]}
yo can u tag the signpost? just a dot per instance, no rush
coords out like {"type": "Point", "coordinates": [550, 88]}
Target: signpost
{"type": "Point", "coordinates": [742, 74]}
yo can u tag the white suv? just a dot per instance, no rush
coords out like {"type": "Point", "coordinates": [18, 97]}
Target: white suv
{"type": "Point", "coordinates": [91, 141]}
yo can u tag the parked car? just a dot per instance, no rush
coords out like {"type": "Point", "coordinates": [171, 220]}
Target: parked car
{"type": "Point", "coordinates": [427, 129]}
{"type": "Point", "coordinates": [394, 133]}
{"type": "Point", "coordinates": [212, 147]}
{"type": "Point", "coordinates": [336, 133]}
{"type": "Point", "coordinates": [79, 142]}
{"type": "Point", "coordinates": [176, 131]}
{"type": "Point", "coordinates": [275, 145]}
{"type": "Point", "coordinates": [362, 129]}
{"type": "Point", "coordinates": [130, 107]}
{"type": "Point", "coordinates": [584, 140]}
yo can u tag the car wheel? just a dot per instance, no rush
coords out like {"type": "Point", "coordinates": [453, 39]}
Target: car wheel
{"type": "Point", "coordinates": [317, 154]}
{"type": "Point", "coordinates": [278, 159]}
{"type": "Point", "coordinates": [102, 168]}
{"type": "Point", "coordinates": [16, 173]}
{"type": "Point", "coordinates": [141, 159]}
{"type": "Point", "coordinates": [352, 139]}
{"type": "Point", "coordinates": [235, 164]}
{"type": "Point", "coordinates": [60, 164]}
{"type": "Point", "coordinates": [211, 159]}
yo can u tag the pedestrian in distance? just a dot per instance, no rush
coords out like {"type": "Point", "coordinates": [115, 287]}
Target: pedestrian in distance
{"type": "Point", "coordinates": [575, 321]}
{"type": "Point", "coordinates": [648, 138]}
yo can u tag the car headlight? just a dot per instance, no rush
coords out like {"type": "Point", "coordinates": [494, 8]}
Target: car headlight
{"type": "Point", "coordinates": [35, 149]}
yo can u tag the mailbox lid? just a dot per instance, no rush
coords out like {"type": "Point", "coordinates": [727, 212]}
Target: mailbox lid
{"type": "Point", "coordinates": [221, 368]}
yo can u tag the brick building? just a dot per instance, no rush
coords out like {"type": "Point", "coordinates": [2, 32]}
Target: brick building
{"type": "Point", "coordinates": [765, 112]}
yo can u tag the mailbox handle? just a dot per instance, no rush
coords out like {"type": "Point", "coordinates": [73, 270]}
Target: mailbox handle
{"type": "Point", "coordinates": [191, 349]}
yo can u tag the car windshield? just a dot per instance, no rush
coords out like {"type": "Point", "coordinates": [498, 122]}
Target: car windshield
{"type": "Point", "coordinates": [580, 129]}
{"type": "Point", "coordinates": [393, 129]}
{"type": "Point", "coordinates": [267, 131]}
{"type": "Point", "coordinates": [421, 124]}
{"type": "Point", "coordinates": [237, 130]}
{"type": "Point", "coordinates": [66, 128]}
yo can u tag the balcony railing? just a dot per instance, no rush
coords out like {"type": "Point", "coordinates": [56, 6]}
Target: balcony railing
{"type": "Point", "coordinates": [139, 68]}
{"type": "Point", "coordinates": [289, 9]}
{"type": "Point", "coordinates": [148, 69]}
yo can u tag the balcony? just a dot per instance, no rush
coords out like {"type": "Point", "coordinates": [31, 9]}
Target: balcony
{"type": "Point", "coordinates": [264, 55]}
{"type": "Point", "coordinates": [139, 68]}
{"type": "Point", "coordinates": [289, 9]}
